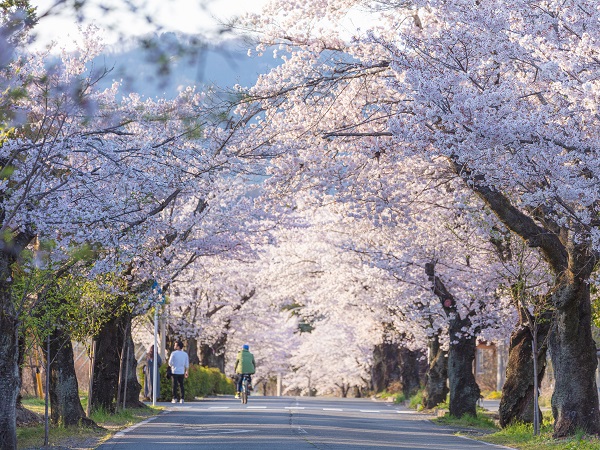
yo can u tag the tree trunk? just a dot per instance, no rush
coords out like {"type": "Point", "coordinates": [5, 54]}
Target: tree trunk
{"type": "Point", "coordinates": [192, 349]}
{"type": "Point", "coordinates": [106, 365]}
{"type": "Point", "coordinates": [64, 389]}
{"type": "Point", "coordinates": [409, 371]}
{"type": "Point", "coordinates": [10, 383]}
{"type": "Point", "coordinates": [573, 353]}
{"type": "Point", "coordinates": [9, 370]}
{"type": "Point", "coordinates": [572, 349]}
{"type": "Point", "coordinates": [436, 380]}
{"type": "Point", "coordinates": [109, 343]}
{"type": "Point", "coordinates": [134, 388]}
{"type": "Point", "coordinates": [385, 369]}
{"type": "Point", "coordinates": [464, 391]}
{"type": "Point", "coordinates": [517, 402]}
{"type": "Point", "coordinates": [214, 355]}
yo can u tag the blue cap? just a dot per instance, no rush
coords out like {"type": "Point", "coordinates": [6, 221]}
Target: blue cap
{"type": "Point", "coordinates": [246, 347]}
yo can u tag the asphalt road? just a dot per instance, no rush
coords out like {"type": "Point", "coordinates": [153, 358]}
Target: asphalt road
{"type": "Point", "coordinates": [290, 423]}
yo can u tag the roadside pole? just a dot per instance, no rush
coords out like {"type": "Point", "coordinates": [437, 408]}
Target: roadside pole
{"type": "Point", "coordinates": [279, 384]}
{"type": "Point", "coordinates": [159, 300]}
{"type": "Point", "coordinates": [155, 361]}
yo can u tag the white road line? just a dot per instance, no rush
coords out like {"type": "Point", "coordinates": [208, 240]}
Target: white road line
{"type": "Point", "coordinates": [369, 411]}
{"type": "Point", "coordinates": [332, 409]}
{"type": "Point", "coordinates": [294, 407]}
{"type": "Point", "coordinates": [257, 407]}
{"type": "Point", "coordinates": [404, 412]}
{"type": "Point", "coordinates": [218, 407]}
{"type": "Point", "coordinates": [483, 442]}
{"type": "Point", "coordinates": [133, 427]}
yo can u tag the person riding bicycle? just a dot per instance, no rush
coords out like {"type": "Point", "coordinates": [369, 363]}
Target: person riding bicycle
{"type": "Point", "coordinates": [244, 365]}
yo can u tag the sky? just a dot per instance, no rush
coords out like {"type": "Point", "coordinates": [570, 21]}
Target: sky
{"type": "Point", "coordinates": [187, 16]}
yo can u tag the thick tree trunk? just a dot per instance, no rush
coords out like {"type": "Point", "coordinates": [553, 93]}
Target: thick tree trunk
{"type": "Point", "coordinates": [464, 391]}
{"type": "Point", "coordinates": [436, 380]}
{"type": "Point", "coordinates": [192, 350]}
{"type": "Point", "coordinates": [109, 343]}
{"type": "Point", "coordinates": [573, 353]}
{"type": "Point", "coordinates": [64, 389]}
{"type": "Point", "coordinates": [572, 349]}
{"type": "Point", "coordinates": [385, 369]}
{"type": "Point", "coordinates": [409, 371]}
{"type": "Point", "coordinates": [9, 371]}
{"type": "Point", "coordinates": [214, 355]}
{"type": "Point", "coordinates": [134, 388]}
{"type": "Point", "coordinates": [106, 365]}
{"type": "Point", "coordinates": [517, 402]}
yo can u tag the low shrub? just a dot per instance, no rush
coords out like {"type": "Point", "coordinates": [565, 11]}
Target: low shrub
{"type": "Point", "coordinates": [202, 381]}
{"type": "Point", "coordinates": [492, 395]}
{"type": "Point", "coordinates": [416, 401]}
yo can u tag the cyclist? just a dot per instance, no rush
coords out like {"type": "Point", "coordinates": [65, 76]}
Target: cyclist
{"type": "Point", "coordinates": [244, 365]}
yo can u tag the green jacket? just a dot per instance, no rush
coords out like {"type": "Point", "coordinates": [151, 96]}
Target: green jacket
{"type": "Point", "coordinates": [245, 362]}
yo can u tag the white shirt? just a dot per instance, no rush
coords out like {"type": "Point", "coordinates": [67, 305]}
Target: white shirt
{"type": "Point", "coordinates": [179, 362]}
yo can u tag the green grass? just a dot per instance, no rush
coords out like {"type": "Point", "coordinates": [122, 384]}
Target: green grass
{"type": "Point", "coordinates": [33, 437]}
{"type": "Point", "coordinates": [416, 401]}
{"type": "Point", "coordinates": [399, 398]}
{"type": "Point", "coordinates": [521, 436]}
{"type": "Point", "coordinates": [37, 405]}
{"type": "Point", "coordinates": [481, 421]}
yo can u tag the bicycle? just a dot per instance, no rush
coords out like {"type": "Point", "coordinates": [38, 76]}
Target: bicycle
{"type": "Point", "coordinates": [245, 388]}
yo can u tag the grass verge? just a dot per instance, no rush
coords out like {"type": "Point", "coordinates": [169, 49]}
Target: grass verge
{"type": "Point", "coordinates": [76, 437]}
{"type": "Point", "coordinates": [518, 436]}
{"type": "Point", "coordinates": [479, 423]}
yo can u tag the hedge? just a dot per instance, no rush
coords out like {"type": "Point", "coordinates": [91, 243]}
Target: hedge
{"type": "Point", "coordinates": [202, 381]}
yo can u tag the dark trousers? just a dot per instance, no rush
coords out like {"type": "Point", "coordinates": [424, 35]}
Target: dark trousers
{"type": "Point", "coordinates": [239, 381]}
{"type": "Point", "coordinates": [178, 380]}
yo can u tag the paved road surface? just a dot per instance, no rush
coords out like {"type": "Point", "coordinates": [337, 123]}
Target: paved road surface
{"type": "Point", "coordinates": [290, 423]}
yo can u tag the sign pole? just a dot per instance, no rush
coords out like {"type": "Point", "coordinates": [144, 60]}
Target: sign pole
{"type": "Point", "coordinates": [155, 356]}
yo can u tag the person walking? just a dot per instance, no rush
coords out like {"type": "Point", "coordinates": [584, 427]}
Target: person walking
{"type": "Point", "coordinates": [149, 374]}
{"type": "Point", "coordinates": [179, 363]}
{"type": "Point", "coordinates": [244, 365]}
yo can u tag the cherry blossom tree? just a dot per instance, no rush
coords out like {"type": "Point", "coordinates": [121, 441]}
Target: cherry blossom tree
{"type": "Point", "coordinates": [503, 91]}
{"type": "Point", "coordinates": [133, 178]}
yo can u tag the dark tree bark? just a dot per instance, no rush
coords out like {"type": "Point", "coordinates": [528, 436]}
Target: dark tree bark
{"type": "Point", "coordinates": [409, 371]}
{"type": "Point", "coordinates": [134, 388]}
{"type": "Point", "coordinates": [9, 370]}
{"type": "Point", "coordinates": [344, 388]}
{"type": "Point", "coordinates": [517, 402]}
{"type": "Point", "coordinates": [385, 369]}
{"type": "Point", "coordinates": [464, 391]}
{"type": "Point", "coordinates": [572, 349]}
{"type": "Point", "coordinates": [192, 350]}
{"type": "Point", "coordinates": [106, 365]}
{"type": "Point", "coordinates": [65, 405]}
{"type": "Point", "coordinates": [214, 355]}
{"type": "Point", "coordinates": [109, 343]}
{"type": "Point", "coordinates": [573, 353]}
{"type": "Point", "coordinates": [436, 379]}
{"type": "Point", "coordinates": [10, 383]}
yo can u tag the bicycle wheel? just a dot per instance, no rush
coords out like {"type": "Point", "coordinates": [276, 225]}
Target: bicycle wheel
{"type": "Point", "coordinates": [244, 395]}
